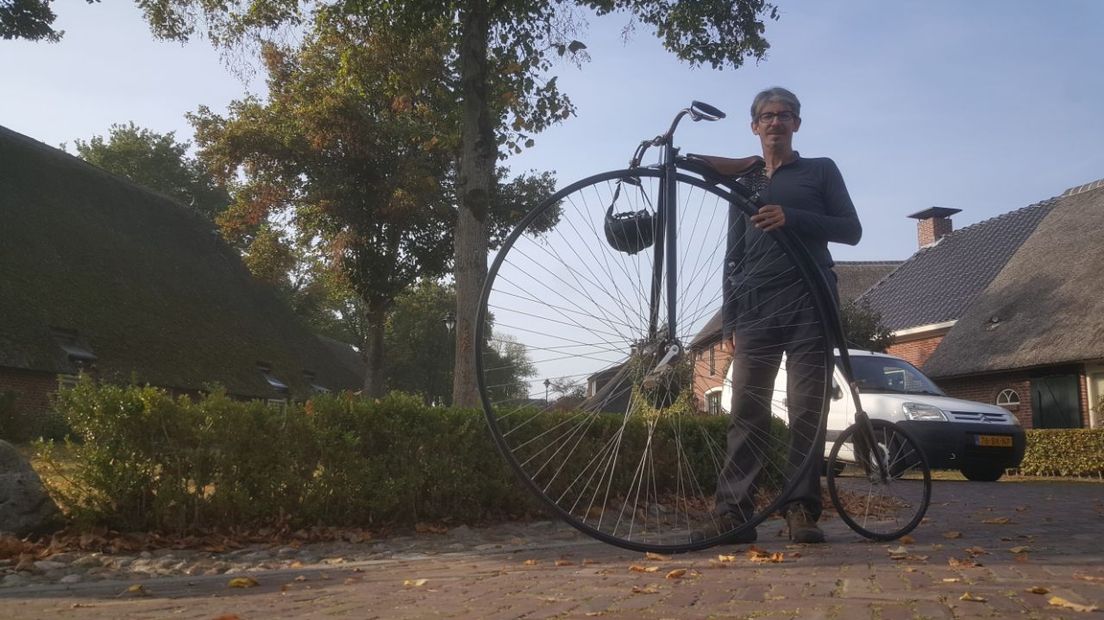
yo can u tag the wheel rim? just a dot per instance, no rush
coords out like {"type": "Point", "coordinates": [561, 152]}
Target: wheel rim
{"type": "Point", "coordinates": [631, 460]}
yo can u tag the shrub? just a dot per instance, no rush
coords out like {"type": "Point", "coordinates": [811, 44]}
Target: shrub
{"type": "Point", "coordinates": [143, 460]}
{"type": "Point", "coordinates": [1064, 452]}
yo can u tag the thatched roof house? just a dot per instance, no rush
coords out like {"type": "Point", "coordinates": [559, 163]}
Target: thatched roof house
{"type": "Point", "coordinates": [1009, 310]}
{"type": "Point", "coordinates": [98, 272]}
{"type": "Point", "coordinates": [1045, 308]}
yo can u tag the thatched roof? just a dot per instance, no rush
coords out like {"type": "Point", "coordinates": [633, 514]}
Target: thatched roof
{"type": "Point", "coordinates": [939, 282]}
{"type": "Point", "coordinates": [854, 278]}
{"type": "Point", "coordinates": [1045, 307]}
{"type": "Point", "coordinates": [146, 285]}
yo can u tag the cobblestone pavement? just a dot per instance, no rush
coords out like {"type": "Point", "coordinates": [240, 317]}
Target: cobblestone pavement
{"type": "Point", "coordinates": [986, 550]}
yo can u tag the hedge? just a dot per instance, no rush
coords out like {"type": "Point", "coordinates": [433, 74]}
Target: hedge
{"type": "Point", "coordinates": [140, 459]}
{"type": "Point", "coordinates": [1064, 452]}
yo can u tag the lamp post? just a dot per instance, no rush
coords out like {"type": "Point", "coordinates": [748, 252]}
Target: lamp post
{"type": "Point", "coordinates": [449, 320]}
{"type": "Point", "coordinates": [547, 383]}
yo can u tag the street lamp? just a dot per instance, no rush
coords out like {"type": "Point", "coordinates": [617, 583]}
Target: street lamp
{"type": "Point", "coordinates": [547, 383]}
{"type": "Point", "coordinates": [449, 320]}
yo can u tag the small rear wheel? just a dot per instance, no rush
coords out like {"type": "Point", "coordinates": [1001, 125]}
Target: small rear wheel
{"type": "Point", "coordinates": [884, 494]}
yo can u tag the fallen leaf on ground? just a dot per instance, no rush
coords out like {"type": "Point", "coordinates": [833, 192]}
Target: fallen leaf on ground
{"type": "Point", "coordinates": [1020, 549]}
{"type": "Point", "coordinates": [587, 562]}
{"type": "Point", "coordinates": [952, 535]}
{"type": "Point", "coordinates": [726, 558]}
{"type": "Point", "coordinates": [638, 568]}
{"type": "Point", "coordinates": [530, 562]}
{"type": "Point", "coordinates": [1084, 577]}
{"type": "Point", "coordinates": [243, 582]}
{"type": "Point", "coordinates": [1038, 590]}
{"type": "Point", "coordinates": [564, 563]}
{"type": "Point", "coordinates": [228, 617]}
{"type": "Point", "coordinates": [967, 563]}
{"type": "Point", "coordinates": [907, 540]}
{"type": "Point", "coordinates": [301, 578]}
{"type": "Point", "coordinates": [898, 553]}
{"type": "Point", "coordinates": [1058, 601]}
{"type": "Point", "coordinates": [414, 583]}
{"type": "Point", "coordinates": [976, 551]}
{"type": "Point", "coordinates": [678, 573]}
{"type": "Point", "coordinates": [998, 521]}
{"type": "Point", "coordinates": [136, 589]}
{"type": "Point", "coordinates": [966, 596]}
{"type": "Point", "coordinates": [649, 589]}
{"type": "Point", "coordinates": [758, 555]}
{"type": "Point", "coordinates": [657, 557]}
{"type": "Point", "coordinates": [1021, 508]}
{"type": "Point", "coordinates": [951, 580]}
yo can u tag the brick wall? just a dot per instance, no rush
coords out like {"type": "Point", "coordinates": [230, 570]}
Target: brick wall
{"type": "Point", "coordinates": [916, 352]}
{"type": "Point", "coordinates": [32, 389]}
{"type": "Point", "coordinates": [706, 378]}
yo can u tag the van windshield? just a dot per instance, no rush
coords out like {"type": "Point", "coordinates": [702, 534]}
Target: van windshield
{"type": "Point", "coordinates": [889, 374]}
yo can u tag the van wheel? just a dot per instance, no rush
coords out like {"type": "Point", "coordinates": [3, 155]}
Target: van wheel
{"type": "Point", "coordinates": [983, 473]}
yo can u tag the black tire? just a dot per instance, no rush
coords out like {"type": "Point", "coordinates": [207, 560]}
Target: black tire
{"type": "Point", "coordinates": [982, 473]}
{"type": "Point", "coordinates": [623, 453]}
{"type": "Point", "coordinates": [880, 507]}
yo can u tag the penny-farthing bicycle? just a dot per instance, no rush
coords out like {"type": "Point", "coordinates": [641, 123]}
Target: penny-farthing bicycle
{"type": "Point", "coordinates": [606, 301]}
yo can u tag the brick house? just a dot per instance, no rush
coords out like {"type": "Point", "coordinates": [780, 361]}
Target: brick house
{"type": "Point", "coordinates": [712, 355]}
{"type": "Point", "coordinates": [102, 276]}
{"type": "Point", "coordinates": [1008, 310]}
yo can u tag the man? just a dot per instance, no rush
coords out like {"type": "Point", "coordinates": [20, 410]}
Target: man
{"type": "Point", "coordinates": [767, 312]}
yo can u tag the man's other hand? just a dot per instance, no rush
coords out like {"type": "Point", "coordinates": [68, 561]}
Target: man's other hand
{"type": "Point", "coordinates": [769, 218]}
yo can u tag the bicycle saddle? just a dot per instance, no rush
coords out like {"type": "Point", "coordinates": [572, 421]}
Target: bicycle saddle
{"type": "Point", "coordinates": [728, 166]}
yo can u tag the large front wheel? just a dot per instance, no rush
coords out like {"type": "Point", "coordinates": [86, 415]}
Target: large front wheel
{"type": "Point", "coordinates": [602, 387]}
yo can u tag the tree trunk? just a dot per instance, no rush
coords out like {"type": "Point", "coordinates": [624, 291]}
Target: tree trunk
{"type": "Point", "coordinates": [478, 153]}
{"type": "Point", "coordinates": [372, 354]}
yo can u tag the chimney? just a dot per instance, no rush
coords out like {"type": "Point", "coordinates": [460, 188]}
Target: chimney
{"type": "Point", "coordinates": [933, 224]}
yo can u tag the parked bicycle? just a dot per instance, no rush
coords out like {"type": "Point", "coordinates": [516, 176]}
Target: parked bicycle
{"type": "Point", "coordinates": [610, 291]}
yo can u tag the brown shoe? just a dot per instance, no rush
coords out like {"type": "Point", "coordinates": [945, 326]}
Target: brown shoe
{"type": "Point", "coordinates": [803, 528]}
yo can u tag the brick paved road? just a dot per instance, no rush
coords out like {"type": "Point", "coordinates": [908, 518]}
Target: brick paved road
{"type": "Point", "coordinates": [1057, 527]}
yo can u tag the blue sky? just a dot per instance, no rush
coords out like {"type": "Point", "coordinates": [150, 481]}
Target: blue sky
{"type": "Point", "coordinates": [985, 106]}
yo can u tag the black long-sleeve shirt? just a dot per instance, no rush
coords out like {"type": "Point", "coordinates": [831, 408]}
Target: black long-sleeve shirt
{"type": "Point", "coordinates": [818, 209]}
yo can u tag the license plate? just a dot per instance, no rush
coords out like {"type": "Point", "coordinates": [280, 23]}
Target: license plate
{"type": "Point", "coordinates": [994, 441]}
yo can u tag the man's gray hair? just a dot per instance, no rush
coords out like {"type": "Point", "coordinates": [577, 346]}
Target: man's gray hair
{"type": "Point", "coordinates": [776, 93]}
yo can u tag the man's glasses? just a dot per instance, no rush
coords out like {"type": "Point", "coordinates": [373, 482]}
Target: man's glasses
{"type": "Point", "coordinates": [769, 117]}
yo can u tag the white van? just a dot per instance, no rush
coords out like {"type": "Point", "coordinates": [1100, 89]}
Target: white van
{"type": "Point", "coordinates": [977, 439]}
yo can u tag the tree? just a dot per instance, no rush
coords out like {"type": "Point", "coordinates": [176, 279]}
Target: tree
{"type": "Point", "coordinates": [418, 343]}
{"type": "Point", "coordinates": [29, 19]}
{"type": "Point", "coordinates": [347, 152]}
{"type": "Point", "coordinates": [501, 53]}
{"type": "Point", "coordinates": [159, 162]}
{"type": "Point", "coordinates": [863, 328]}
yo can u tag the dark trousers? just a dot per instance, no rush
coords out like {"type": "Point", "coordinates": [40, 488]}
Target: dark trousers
{"type": "Point", "coordinates": [774, 320]}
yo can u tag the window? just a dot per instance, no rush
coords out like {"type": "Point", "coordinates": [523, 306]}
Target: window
{"type": "Point", "coordinates": [1008, 398]}
{"type": "Point", "coordinates": [67, 382]}
{"type": "Point", "coordinates": [713, 402]}
{"type": "Point", "coordinates": [273, 382]}
{"type": "Point", "coordinates": [712, 361]}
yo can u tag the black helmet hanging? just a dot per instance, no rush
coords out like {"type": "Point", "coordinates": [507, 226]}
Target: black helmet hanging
{"type": "Point", "coordinates": [631, 231]}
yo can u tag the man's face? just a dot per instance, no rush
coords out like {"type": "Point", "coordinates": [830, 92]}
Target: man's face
{"type": "Point", "coordinates": [775, 125]}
